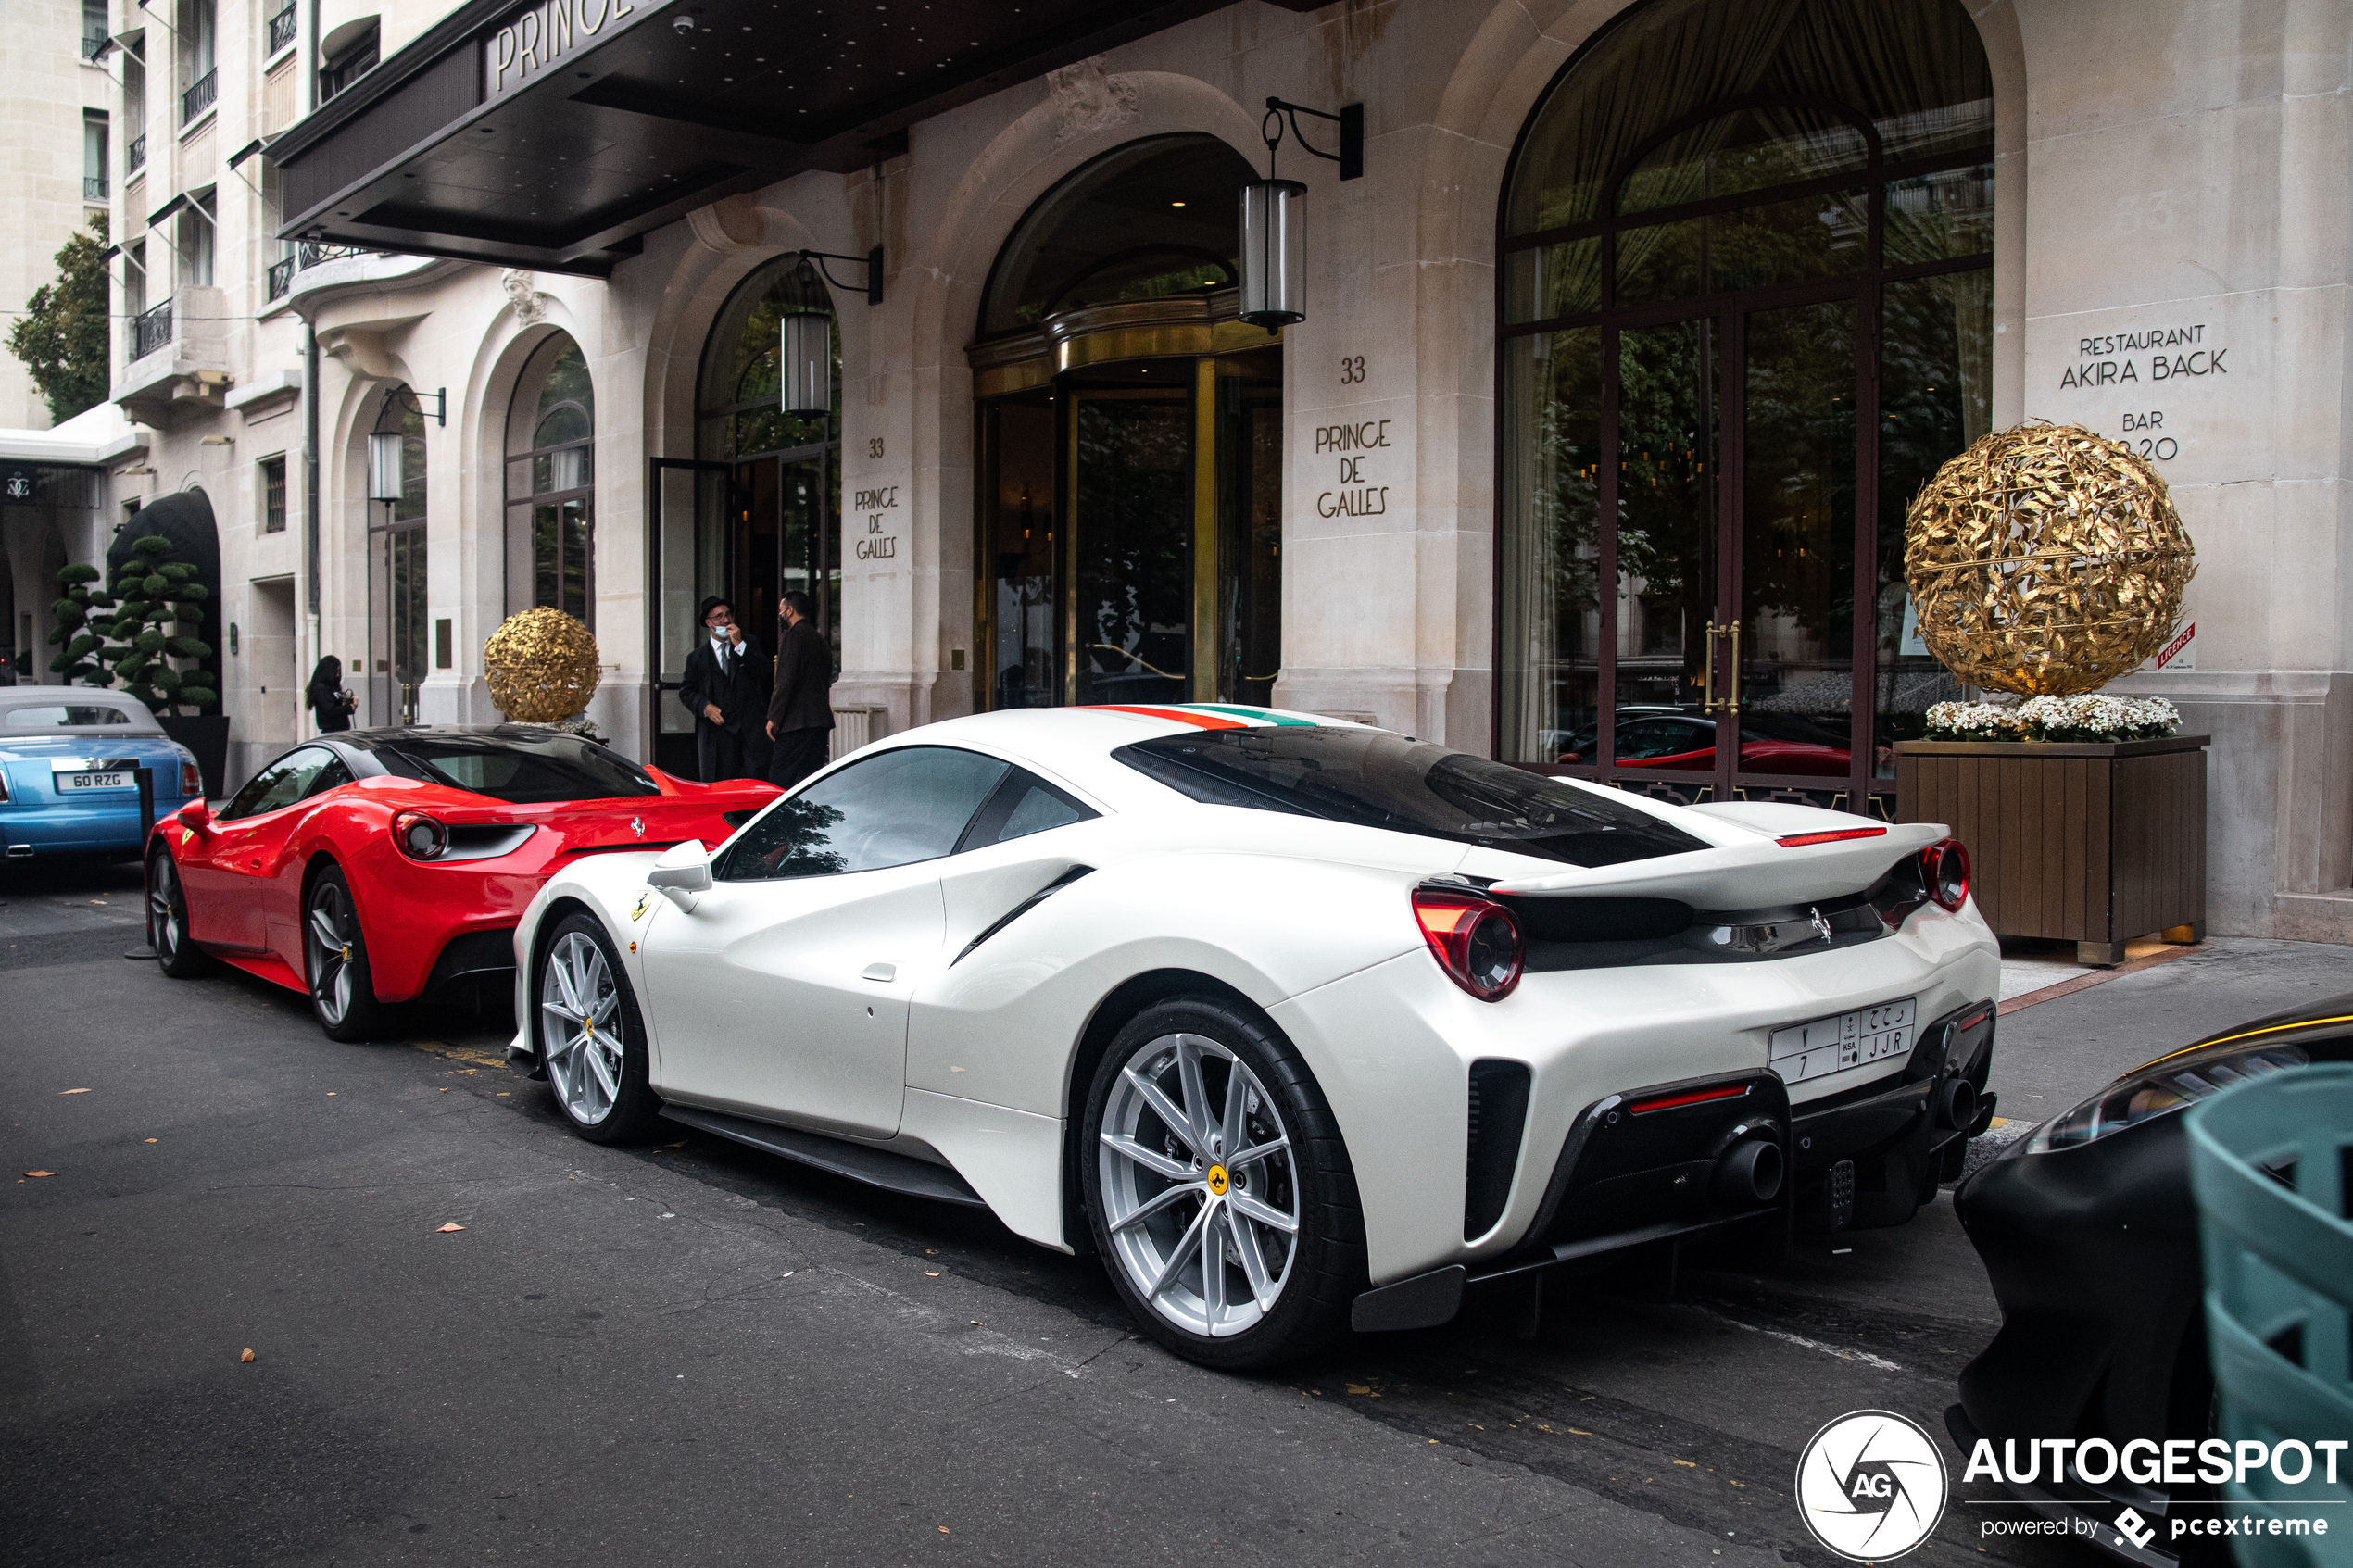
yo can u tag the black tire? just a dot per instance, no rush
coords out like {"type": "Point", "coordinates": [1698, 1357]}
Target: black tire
{"type": "Point", "coordinates": [602, 1092]}
{"type": "Point", "coordinates": [176, 953]}
{"type": "Point", "coordinates": [1311, 1297]}
{"type": "Point", "coordinates": [342, 983]}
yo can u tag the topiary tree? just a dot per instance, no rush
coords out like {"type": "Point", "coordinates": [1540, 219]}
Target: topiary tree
{"type": "Point", "coordinates": [82, 648]}
{"type": "Point", "coordinates": [158, 607]}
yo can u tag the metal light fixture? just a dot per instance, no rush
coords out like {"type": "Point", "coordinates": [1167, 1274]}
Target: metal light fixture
{"type": "Point", "coordinates": [807, 363]}
{"type": "Point", "coordinates": [1274, 238]}
{"type": "Point", "coordinates": [383, 465]}
{"type": "Point", "coordinates": [1274, 287]}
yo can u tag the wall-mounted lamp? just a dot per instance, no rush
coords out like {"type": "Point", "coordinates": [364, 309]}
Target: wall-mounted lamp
{"type": "Point", "coordinates": [218, 440]}
{"type": "Point", "coordinates": [807, 354]}
{"type": "Point", "coordinates": [440, 409]}
{"type": "Point", "coordinates": [874, 262]}
{"type": "Point", "coordinates": [135, 471]}
{"type": "Point", "coordinates": [1273, 227]}
{"type": "Point", "coordinates": [383, 465]}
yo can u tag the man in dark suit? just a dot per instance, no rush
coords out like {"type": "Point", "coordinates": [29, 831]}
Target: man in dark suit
{"type": "Point", "coordinates": [800, 714]}
{"type": "Point", "coordinates": [726, 689]}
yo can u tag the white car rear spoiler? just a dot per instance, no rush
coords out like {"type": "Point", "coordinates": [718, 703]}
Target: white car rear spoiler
{"type": "Point", "coordinates": [1796, 868]}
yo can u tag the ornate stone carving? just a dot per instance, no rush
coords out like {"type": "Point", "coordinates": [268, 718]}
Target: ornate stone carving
{"type": "Point", "coordinates": [530, 306]}
{"type": "Point", "coordinates": [1086, 100]}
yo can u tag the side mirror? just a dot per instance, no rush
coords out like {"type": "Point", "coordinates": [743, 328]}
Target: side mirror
{"type": "Point", "coordinates": [195, 816]}
{"type": "Point", "coordinates": [682, 873]}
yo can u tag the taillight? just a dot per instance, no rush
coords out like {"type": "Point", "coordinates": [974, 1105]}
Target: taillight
{"type": "Point", "coordinates": [1476, 940]}
{"type": "Point", "coordinates": [1945, 872]}
{"type": "Point", "coordinates": [1834, 835]}
{"type": "Point", "coordinates": [420, 837]}
{"type": "Point", "coordinates": [191, 781]}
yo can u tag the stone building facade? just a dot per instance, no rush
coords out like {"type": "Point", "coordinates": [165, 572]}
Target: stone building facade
{"type": "Point", "coordinates": [1640, 326]}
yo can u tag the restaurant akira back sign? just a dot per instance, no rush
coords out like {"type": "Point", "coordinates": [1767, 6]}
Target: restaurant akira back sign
{"type": "Point", "coordinates": [538, 38]}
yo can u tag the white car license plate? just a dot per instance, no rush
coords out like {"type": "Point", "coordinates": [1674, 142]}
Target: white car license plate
{"type": "Point", "coordinates": [97, 780]}
{"type": "Point", "coordinates": [1851, 1039]}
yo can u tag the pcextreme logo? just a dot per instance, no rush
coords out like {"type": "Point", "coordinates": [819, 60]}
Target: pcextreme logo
{"type": "Point", "coordinates": [1871, 1486]}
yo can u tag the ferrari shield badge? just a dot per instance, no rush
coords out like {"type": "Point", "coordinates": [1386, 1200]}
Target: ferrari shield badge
{"type": "Point", "coordinates": [637, 910]}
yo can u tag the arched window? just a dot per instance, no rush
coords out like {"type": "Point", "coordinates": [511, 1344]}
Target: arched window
{"type": "Point", "coordinates": [780, 529]}
{"type": "Point", "coordinates": [1745, 309]}
{"type": "Point", "coordinates": [551, 483]}
{"type": "Point", "coordinates": [397, 606]}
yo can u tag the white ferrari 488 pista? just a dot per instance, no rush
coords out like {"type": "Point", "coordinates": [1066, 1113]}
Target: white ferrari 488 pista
{"type": "Point", "coordinates": [1299, 1024]}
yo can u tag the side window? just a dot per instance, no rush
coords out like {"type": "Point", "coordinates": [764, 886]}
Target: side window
{"type": "Point", "coordinates": [892, 810]}
{"type": "Point", "coordinates": [328, 777]}
{"type": "Point", "coordinates": [282, 784]}
{"type": "Point", "coordinates": [1023, 804]}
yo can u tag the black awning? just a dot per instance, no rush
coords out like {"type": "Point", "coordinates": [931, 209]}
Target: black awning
{"type": "Point", "coordinates": [523, 136]}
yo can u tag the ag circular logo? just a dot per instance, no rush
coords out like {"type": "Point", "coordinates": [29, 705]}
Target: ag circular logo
{"type": "Point", "coordinates": [1871, 1486]}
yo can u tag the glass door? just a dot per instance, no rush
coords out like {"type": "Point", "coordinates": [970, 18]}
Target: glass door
{"type": "Point", "coordinates": [1130, 535]}
{"type": "Point", "coordinates": [395, 621]}
{"type": "Point", "coordinates": [1731, 546]}
{"type": "Point", "coordinates": [689, 539]}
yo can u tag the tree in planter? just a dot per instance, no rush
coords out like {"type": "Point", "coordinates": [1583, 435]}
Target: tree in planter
{"type": "Point", "coordinates": [82, 647]}
{"type": "Point", "coordinates": [157, 607]}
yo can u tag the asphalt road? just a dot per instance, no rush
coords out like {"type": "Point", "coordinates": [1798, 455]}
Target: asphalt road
{"type": "Point", "coordinates": [694, 1353]}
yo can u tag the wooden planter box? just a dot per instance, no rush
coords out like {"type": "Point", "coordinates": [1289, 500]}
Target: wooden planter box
{"type": "Point", "coordinates": [2094, 844]}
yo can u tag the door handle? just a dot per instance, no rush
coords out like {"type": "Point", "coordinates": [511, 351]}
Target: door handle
{"type": "Point", "coordinates": [885, 972]}
{"type": "Point", "coordinates": [1708, 701]}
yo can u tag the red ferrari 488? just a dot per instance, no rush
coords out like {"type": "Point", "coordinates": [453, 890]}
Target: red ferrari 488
{"type": "Point", "coordinates": [380, 866]}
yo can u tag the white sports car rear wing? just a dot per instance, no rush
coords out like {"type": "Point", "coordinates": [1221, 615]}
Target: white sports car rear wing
{"type": "Point", "coordinates": [1793, 868]}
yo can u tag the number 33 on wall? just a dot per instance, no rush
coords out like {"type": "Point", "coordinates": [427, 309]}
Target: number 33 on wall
{"type": "Point", "coordinates": [1352, 369]}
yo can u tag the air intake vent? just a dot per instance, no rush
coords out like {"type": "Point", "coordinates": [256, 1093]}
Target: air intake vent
{"type": "Point", "coordinates": [1498, 1116]}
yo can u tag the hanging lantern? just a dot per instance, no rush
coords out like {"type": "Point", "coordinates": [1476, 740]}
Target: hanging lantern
{"type": "Point", "coordinates": [383, 465]}
{"type": "Point", "coordinates": [807, 362]}
{"type": "Point", "coordinates": [1274, 292]}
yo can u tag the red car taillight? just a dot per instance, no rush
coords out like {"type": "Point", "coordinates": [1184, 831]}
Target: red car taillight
{"type": "Point", "coordinates": [191, 781]}
{"type": "Point", "coordinates": [1476, 940]}
{"type": "Point", "coordinates": [420, 837]}
{"type": "Point", "coordinates": [1945, 872]}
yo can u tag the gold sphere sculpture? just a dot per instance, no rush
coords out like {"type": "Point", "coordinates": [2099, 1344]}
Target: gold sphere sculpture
{"type": "Point", "coordinates": [543, 666]}
{"type": "Point", "coordinates": [2045, 559]}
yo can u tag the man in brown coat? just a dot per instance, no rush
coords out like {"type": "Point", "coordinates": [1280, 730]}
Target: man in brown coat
{"type": "Point", "coordinates": [800, 712]}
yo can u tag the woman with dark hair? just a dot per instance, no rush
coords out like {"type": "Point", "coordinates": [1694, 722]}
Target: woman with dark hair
{"type": "Point", "coordinates": [327, 698]}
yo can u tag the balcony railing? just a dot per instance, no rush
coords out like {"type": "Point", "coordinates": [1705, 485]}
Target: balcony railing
{"type": "Point", "coordinates": [150, 329]}
{"type": "Point", "coordinates": [281, 278]}
{"type": "Point", "coordinates": [94, 187]}
{"type": "Point", "coordinates": [281, 30]}
{"type": "Point", "coordinates": [199, 95]}
{"type": "Point", "coordinates": [134, 157]}
{"type": "Point", "coordinates": [92, 47]}
{"type": "Point", "coordinates": [312, 254]}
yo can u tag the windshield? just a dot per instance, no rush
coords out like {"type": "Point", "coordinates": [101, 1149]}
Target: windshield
{"type": "Point", "coordinates": [521, 770]}
{"type": "Point", "coordinates": [1377, 780]}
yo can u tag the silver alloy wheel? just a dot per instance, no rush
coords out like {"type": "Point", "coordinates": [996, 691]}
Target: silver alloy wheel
{"type": "Point", "coordinates": [163, 912]}
{"type": "Point", "coordinates": [331, 933]}
{"type": "Point", "coordinates": [580, 1037]}
{"type": "Point", "coordinates": [1200, 1187]}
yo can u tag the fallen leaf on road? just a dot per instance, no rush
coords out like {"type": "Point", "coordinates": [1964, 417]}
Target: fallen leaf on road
{"type": "Point", "coordinates": [976, 1323]}
{"type": "Point", "coordinates": [331, 1093]}
{"type": "Point", "coordinates": [943, 1529]}
{"type": "Point", "coordinates": [1687, 1465]}
{"type": "Point", "coordinates": [441, 1091]}
{"type": "Point", "coordinates": [452, 1225]}
{"type": "Point", "coordinates": [40, 1173]}
{"type": "Point", "coordinates": [248, 1356]}
{"type": "Point", "coordinates": [1358, 1388]}
{"type": "Point", "coordinates": [928, 1273]}
{"type": "Point", "coordinates": [149, 1140]}
{"type": "Point", "coordinates": [73, 1091]}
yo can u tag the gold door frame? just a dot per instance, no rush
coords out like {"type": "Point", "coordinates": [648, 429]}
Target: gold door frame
{"type": "Point", "coordinates": [1201, 327]}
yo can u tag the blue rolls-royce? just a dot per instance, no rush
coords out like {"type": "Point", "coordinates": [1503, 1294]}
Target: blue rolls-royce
{"type": "Point", "coordinates": [69, 761]}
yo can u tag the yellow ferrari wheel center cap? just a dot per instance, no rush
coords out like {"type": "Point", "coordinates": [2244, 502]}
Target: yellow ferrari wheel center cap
{"type": "Point", "coordinates": [1218, 1179]}
{"type": "Point", "coordinates": [346, 952]}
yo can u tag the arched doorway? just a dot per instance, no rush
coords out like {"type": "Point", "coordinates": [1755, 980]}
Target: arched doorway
{"type": "Point", "coordinates": [1130, 433]}
{"type": "Point", "coordinates": [396, 604]}
{"type": "Point", "coordinates": [1745, 308]}
{"type": "Point", "coordinates": [757, 511]}
{"type": "Point", "coordinates": [551, 483]}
